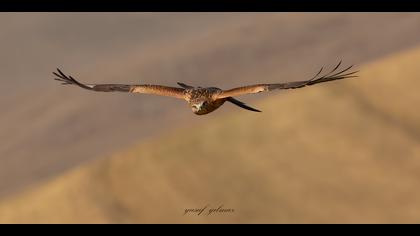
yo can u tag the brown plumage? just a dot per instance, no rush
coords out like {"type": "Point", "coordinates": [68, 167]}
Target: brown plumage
{"type": "Point", "coordinates": [205, 100]}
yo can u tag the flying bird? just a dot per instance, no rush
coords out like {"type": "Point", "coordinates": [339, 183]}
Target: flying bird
{"type": "Point", "coordinates": [205, 100]}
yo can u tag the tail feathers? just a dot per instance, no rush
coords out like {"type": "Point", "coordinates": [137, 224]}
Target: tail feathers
{"type": "Point", "coordinates": [241, 104]}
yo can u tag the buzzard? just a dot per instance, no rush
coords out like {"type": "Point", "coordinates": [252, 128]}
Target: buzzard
{"type": "Point", "coordinates": [205, 100]}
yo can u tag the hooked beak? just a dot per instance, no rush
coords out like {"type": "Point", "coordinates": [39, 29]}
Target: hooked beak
{"type": "Point", "coordinates": [197, 107]}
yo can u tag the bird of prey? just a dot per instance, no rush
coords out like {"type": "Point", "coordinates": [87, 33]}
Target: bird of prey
{"type": "Point", "coordinates": [205, 100]}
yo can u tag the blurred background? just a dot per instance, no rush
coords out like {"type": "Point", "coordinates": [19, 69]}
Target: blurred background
{"type": "Point", "coordinates": [342, 152]}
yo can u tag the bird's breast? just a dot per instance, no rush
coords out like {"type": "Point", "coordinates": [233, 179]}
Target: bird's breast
{"type": "Point", "coordinates": [210, 106]}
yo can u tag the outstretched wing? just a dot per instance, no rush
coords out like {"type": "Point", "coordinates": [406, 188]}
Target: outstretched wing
{"type": "Point", "coordinates": [145, 88]}
{"type": "Point", "coordinates": [257, 88]}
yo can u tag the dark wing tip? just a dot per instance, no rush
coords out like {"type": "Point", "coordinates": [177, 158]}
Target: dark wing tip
{"type": "Point", "coordinates": [68, 79]}
{"type": "Point", "coordinates": [334, 75]}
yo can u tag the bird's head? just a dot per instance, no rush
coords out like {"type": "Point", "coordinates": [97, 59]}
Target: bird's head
{"type": "Point", "coordinates": [199, 107]}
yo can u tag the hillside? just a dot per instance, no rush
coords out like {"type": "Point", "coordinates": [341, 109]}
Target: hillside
{"type": "Point", "coordinates": [343, 152]}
